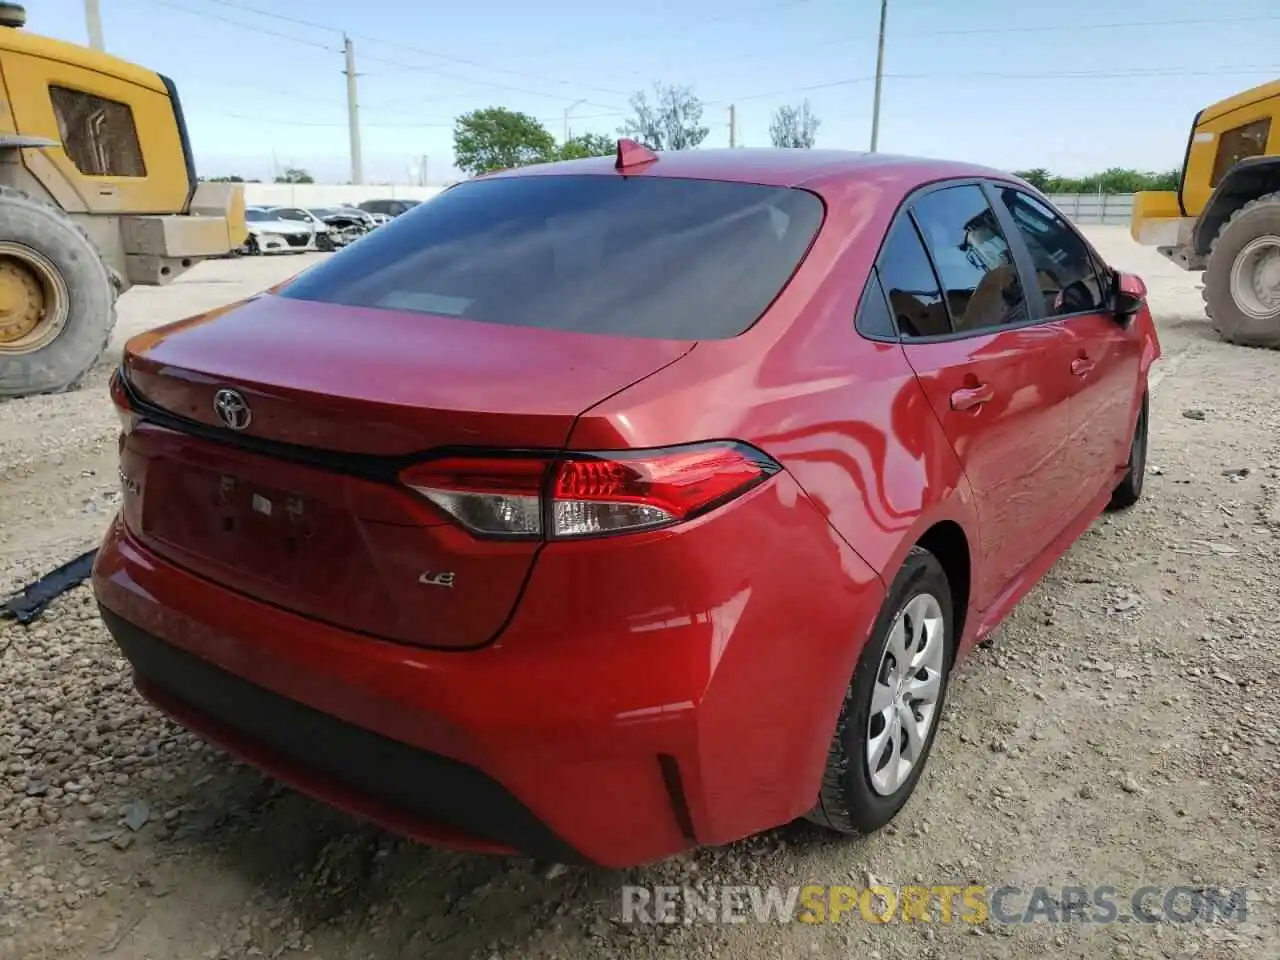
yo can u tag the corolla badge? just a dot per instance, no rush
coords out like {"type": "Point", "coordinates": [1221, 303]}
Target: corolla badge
{"type": "Point", "coordinates": [232, 409]}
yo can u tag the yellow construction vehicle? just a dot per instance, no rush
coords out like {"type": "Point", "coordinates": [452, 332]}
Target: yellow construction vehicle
{"type": "Point", "coordinates": [1224, 218]}
{"type": "Point", "coordinates": [98, 191]}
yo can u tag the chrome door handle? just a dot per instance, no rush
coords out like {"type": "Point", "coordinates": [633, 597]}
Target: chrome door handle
{"type": "Point", "coordinates": [970, 397]}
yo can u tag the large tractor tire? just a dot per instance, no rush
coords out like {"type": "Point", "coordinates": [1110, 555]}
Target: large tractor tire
{"type": "Point", "coordinates": [57, 298]}
{"type": "Point", "coordinates": [1242, 281]}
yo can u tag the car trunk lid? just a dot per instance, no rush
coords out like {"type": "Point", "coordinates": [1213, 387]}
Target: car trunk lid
{"type": "Point", "coordinates": [300, 504]}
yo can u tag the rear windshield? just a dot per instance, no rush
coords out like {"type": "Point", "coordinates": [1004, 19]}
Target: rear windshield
{"type": "Point", "coordinates": [637, 257]}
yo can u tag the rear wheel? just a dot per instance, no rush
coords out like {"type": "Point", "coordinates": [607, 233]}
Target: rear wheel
{"type": "Point", "coordinates": [1242, 280]}
{"type": "Point", "coordinates": [890, 713]}
{"type": "Point", "coordinates": [57, 298]}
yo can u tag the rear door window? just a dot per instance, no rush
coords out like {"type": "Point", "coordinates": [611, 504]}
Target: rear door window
{"type": "Point", "coordinates": [972, 258]}
{"type": "Point", "coordinates": [630, 256]}
{"type": "Point", "coordinates": [911, 285]}
{"type": "Point", "coordinates": [873, 318]}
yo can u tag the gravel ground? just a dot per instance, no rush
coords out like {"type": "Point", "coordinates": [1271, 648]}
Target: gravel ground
{"type": "Point", "coordinates": [1122, 731]}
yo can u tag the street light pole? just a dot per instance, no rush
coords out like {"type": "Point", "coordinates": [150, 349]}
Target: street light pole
{"type": "Point", "coordinates": [353, 111]}
{"type": "Point", "coordinates": [93, 24]}
{"type": "Point", "coordinates": [875, 108]}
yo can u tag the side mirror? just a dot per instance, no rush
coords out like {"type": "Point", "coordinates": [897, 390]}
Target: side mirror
{"type": "Point", "coordinates": [1126, 304]}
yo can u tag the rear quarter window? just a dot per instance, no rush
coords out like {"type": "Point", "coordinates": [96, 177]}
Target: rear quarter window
{"type": "Point", "coordinates": [629, 256]}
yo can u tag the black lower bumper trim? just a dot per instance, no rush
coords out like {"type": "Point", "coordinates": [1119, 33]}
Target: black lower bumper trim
{"type": "Point", "coordinates": [423, 785]}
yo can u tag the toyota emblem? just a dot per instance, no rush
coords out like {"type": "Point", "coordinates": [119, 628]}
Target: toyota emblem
{"type": "Point", "coordinates": [232, 409]}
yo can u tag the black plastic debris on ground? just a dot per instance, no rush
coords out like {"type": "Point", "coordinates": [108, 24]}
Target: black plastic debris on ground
{"type": "Point", "coordinates": [31, 602]}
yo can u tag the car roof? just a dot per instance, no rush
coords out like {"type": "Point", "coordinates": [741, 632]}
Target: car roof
{"type": "Point", "coordinates": [766, 165]}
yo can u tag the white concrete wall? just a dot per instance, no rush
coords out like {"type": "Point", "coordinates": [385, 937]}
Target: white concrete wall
{"type": "Point", "coordinates": [1113, 208]}
{"type": "Point", "coordinates": [327, 195]}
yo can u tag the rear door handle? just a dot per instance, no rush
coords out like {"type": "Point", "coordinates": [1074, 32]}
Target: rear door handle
{"type": "Point", "coordinates": [1081, 366]}
{"type": "Point", "coordinates": [970, 397]}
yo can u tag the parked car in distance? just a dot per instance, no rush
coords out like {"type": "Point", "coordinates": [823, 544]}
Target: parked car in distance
{"type": "Point", "coordinates": [346, 224]}
{"type": "Point", "coordinates": [389, 209]}
{"type": "Point", "coordinates": [612, 507]}
{"type": "Point", "coordinates": [270, 232]}
{"type": "Point", "coordinates": [321, 235]}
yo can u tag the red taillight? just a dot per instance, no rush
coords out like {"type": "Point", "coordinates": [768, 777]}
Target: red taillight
{"type": "Point", "coordinates": [588, 494]}
{"type": "Point", "coordinates": [124, 406]}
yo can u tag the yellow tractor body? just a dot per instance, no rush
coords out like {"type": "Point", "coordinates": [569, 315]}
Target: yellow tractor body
{"type": "Point", "coordinates": [1224, 218]}
{"type": "Point", "coordinates": [94, 158]}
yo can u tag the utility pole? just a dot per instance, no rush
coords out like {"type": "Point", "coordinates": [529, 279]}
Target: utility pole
{"type": "Point", "coordinates": [875, 109]}
{"type": "Point", "coordinates": [422, 172]}
{"type": "Point", "coordinates": [353, 111]}
{"type": "Point", "coordinates": [93, 24]}
{"type": "Point", "coordinates": [733, 126]}
{"type": "Point", "coordinates": [566, 118]}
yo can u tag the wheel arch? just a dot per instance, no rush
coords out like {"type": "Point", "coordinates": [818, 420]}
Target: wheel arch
{"type": "Point", "coordinates": [947, 541]}
{"type": "Point", "coordinates": [1247, 180]}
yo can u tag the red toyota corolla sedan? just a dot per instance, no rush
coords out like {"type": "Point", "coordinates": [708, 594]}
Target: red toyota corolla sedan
{"type": "Point", "coordinates": [607, 508]}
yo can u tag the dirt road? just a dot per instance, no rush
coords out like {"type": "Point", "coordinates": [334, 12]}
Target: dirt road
{"type": "Point", "coordinates": [1123, 730]}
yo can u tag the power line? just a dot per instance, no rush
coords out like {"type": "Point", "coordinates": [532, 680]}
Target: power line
{"type": "Point", "coordinates": [440, 122]}
{"type": "Point", "coordinates": [426, 68]}
{"type": "Point", "coordinates": [1062, 27]}
{"type": "Point", "coordinates": [295, 95]}
{"type": "Point", "coordinates": [1247, 70]}
{"type": "Point", "coordinates": [434, 68]}
{"type": "Point", "coordinates": [434, 122]}
{"type": "Point", "coordinates": [615, 111]}
{"type": "Point", "coordinates": [248, 26]}
{"type": "Point", "coordinates": [430, 68]}
{"type": "Point", "coordinates": [717, 18]}
{"type": "Point", "coordinates": [276, 16]}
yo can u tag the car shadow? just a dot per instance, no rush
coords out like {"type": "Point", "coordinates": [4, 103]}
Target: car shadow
{"type": "Point", "coordinates": [349, 889]}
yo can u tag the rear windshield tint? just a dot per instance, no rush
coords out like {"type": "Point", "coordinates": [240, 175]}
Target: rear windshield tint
{"type": "Point", "coordinates": [637, 257]}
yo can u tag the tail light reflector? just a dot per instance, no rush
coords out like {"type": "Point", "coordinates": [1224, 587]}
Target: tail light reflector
{"type": "Point", "coordinates": [589, 494]}
{"type": "Point", "coordinates": [497, 496]}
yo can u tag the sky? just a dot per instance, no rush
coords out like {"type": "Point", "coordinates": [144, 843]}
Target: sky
{"type": "Point", "coordinates": [1073, 87]}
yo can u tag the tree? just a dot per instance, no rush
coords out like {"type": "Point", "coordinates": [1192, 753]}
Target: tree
{"type": "Point", "coordinates": [231, 179]}
{"type": "Point", "coordinates": [672, 122]}
{"type": "Point", "coordinates": [1038, 177]}
{"type": "Point", "coordinates": [1169, 180]}
{"type": "Point", "coordinates": [295, 175]}
{"type": "Point", "coordinates": [496, 138]}
{"type": "Point", "coordinates": [794, 126]}
{"type": "Point", "coordinates": [1112, 180]}
{"type": "Point", "coordinates": [586, 145]}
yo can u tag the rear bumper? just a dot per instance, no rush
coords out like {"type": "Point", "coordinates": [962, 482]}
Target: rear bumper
{"type": "Point", "coordinates": [315, 752]}
{"type": "Point", "coordinates": [615, 741]}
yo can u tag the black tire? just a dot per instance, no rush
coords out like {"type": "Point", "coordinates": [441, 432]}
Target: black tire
{"type": "Point", "coordinates": [324, 243]}
{"type": "Point", "coordinates": [847, 802]}
{"type": "Point", "coordinates": [1257, 218]}
{"type": "Point", "coordinates": [91, 310]}
{"type": "Point", "coordinates": [1129, 490]}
